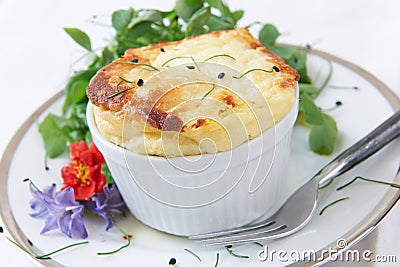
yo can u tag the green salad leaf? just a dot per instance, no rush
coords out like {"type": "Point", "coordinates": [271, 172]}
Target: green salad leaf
{"type": "Point", "coordinates": [323, 128]}
{"type": "Point", "coordinates": [137, 28]}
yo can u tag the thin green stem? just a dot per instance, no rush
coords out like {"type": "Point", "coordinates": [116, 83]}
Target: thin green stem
{"type": "Point", "coordinates": [208, 92]}
{"type": "Point", "coordinates": [46, 256]}
{"type": "Point", "coordinates": [117, 250]}
{"type": "Point", "coordinates": [331, 204]}
{"type": "Point", "coordinates": [139, 64]}
{"type": "Point", "coordinates": [194, 254]}
{"type": "Point", "coordinates": [125, 235]}
{"type": "Point", "coordinates": [367, 180]}
{"type": "Point", "coordinates": [120, 92]}
{"type": "Point", "coordinates": [125, 80]}
{"type": "Point", "coordinates": [180, 57]}
{"type": "Point", "coordinates": [229, 249]}
{"type": "Point", "coordinates": [219, 55]}
{"type": "Point", "coordinates": [247, 72]}
{"type": "Point", "coordinates": [217, 261]}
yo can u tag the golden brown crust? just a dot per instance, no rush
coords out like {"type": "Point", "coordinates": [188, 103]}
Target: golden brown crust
{"type": "Point", "coordinates": [153, 112]}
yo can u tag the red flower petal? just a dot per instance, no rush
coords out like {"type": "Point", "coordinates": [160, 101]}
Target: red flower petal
{"type": "Point", "coordinates": [99, 159]}
{"type": "Point", "coordinates": [77, 148]}
{"type": "Point", "coordinates": [84, 192]}
{"type": "Point", "coordinates": [68, 175]}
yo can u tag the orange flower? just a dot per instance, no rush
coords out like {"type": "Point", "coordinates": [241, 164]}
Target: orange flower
{"type": "Point", "coordinates": [84, 173]}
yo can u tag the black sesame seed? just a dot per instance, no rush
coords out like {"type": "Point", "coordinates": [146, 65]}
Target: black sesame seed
{"type": "Point", "coordinates": [46, 168]}
{"type": "Point", "coordinates": [172, 261]}
{"type": "Point", "coordinates": [1, 230]}
{"type": "Point", "coordinates": [221, 75]}
{"type": "Point", "coordinates": [190, 67]}
{"type": "Point", "coordinates": [140, 82]}
{"type": "Point", "coordinates": [30, 243]}
{"type": "Point", "coordinates": [339, 103]}
{"type": "Point", "coordinates": [25, 180]}
{"type": "Point", "coordinates": [275, 68]}
{"type": "Point", "coordinates": [135, 60]}
{"type": "Point", "coordinates": [162, 50]}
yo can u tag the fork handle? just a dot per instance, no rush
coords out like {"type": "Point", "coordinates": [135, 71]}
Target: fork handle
{"type": "Point", "coordinates": [363, 149]}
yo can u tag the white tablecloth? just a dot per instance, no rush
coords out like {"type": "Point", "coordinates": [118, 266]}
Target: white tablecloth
{"type": "Point", "coordinates": [36, 56]}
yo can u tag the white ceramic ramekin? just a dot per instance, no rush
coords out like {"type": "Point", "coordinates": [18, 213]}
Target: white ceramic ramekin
{"type": "Point", "coordinates": [225, 190]}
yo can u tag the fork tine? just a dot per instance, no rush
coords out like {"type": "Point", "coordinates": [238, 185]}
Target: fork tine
{"type": "Point", "coordinates": [233, 231]}
{"type": "Point", "coordinates": [243, 239]}
{"type": "Point", "coordinates": [244, 235]}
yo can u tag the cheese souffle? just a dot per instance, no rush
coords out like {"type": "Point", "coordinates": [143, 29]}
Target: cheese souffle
{"type": "Point", "coordinates": [145, 103]}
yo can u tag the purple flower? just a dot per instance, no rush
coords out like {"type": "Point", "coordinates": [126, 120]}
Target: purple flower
{"type": "Point", "coordinates": [40, 200]}
{"type": "Point", "coordinates": [106, 204]}
{"type": "Point", "coordinates": [61, 209]}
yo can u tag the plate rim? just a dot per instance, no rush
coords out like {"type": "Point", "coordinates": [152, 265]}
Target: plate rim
{"type": "Point", "coordinates": [354, 235]}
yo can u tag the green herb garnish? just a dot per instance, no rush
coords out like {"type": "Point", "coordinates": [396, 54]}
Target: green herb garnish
{"type": "Point", "coordinates": [180, 57]}
{"type": "Point", "coordinates": [216, 261]}
{"type": "Point", "coordinates": [219, 55]}
{"type": "Point", "coordinates": [136, 28]}
{"type": "Point", "coordinates": [120, 92]}
{"type": "Point", "coordinates": [194, 254]}
{"type": "Point", "coordinates": [247, 72]}
{"type": "Point", "coordinates": [331, 204]}
{"type": "Point", "coordinates": [323, 127]}
{"type": "Point", "coordinates": [208, 92]}
{"type": "Point", "coordinates": [125, 236]}
{"type": "Point", "coordinates": [44, 256]}
{"type": "Point", "coordinates": [125, 80]}
{"type": "Point", "coordinates": [139, 64]}
{"type": "Point", "coordinates": [229, 249]}
{"type": "Point", "coordinates": [367, 180]}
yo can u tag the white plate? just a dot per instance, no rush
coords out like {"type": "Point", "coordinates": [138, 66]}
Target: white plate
{"type": "Point", "coordinates": [351, 220]}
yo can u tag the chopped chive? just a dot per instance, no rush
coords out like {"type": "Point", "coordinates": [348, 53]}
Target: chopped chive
{"type": "Point", "coordinates": [139, 64]}
{"type": "Point", "coordinates": [219, 55]}
{"type": "Point", "coordinates": [33, 184]}
{"type": "Point", "coordinates": [180, 57]}
{"type": "Point", "coordinates": [368, 180]}
{"type": "Point", "coordinates": [46, 256]}
{"type": "Point", "coordinates": [247, 72]}
{"type": "Point", "coordinates": [209, 92]}
{"type": "Point", "coordinates": [217, 261]}
{"type": "Point", "coordinates": [194, 254]}
{"type": "Point", "coordinates": [120, 92]}
{"type": "Point", "coordinates": [125, 80]}
{"type": "Point", "coordinates": [126, 236]}
{"type": "Point", "coordinates": [343, 87]}
{"type": "Point", "coordinates": [171, 59]}
{"type": "Point", "coordinates": [332, 203]}
{"type": "Point", "coordinates": [229, 249]}
{"type": "Point", "coordinates": [259, 244]}
{"type": "Point", "coordinates": [117, 250]}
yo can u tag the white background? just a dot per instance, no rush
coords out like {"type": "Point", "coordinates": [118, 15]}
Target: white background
{"type": "Point", "coordinates": [36, 57]}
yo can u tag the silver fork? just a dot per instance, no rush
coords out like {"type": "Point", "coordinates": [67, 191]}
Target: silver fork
{"type": "Point", "coordinates": [299, 208]}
